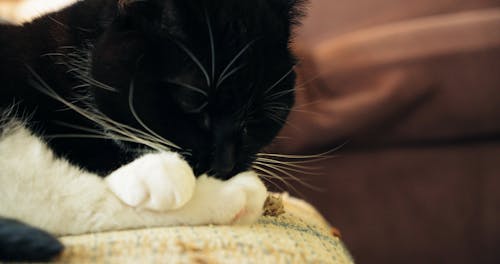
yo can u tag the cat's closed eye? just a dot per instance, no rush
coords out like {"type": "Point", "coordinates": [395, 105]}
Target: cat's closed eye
{"type": "Point", "coordinates": [204, 121]}
{"type": "Point", "coordinates": [189, 98]}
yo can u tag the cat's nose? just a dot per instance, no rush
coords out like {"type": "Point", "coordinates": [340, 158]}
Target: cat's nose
{"type": "Point", "coordinates": [224, 160]}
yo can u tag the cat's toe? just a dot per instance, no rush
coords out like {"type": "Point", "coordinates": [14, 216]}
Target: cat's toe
{"type": "Point", "coordinates": [159, 181]}
{"type": "Point", "coordinates": [255, 195]}
{"type": "Point", "coordinates": [127, 187]}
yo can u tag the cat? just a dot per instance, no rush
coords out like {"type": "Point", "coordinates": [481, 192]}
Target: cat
{"type": "Point", "coordinates": [138, 113]}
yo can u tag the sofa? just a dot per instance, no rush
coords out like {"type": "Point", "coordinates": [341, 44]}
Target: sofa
{"type": "Point", "coordinates": [410, 92]}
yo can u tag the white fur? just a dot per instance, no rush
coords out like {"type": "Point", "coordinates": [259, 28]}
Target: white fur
{"type": "Point", "coordinates": [160, 182]}
{"type": "Point", "coordinates": [22, 11]}
{"type": "Point", "coordinates": [50, 193]}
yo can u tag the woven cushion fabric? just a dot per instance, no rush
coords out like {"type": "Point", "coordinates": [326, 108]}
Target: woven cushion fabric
{"type": "Point", "coordinates": [300, 235]}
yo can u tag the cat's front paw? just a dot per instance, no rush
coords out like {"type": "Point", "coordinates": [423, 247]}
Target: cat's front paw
{"type": "Point", "coordinates": [239, 200]}
{"type": "Point", "coordinates": [158, 181]}
{"type": "Point", "coordinates": [254, 193]}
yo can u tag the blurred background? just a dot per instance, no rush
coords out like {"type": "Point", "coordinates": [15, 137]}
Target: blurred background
{"type": "Point", "coordinates": [413, 90]}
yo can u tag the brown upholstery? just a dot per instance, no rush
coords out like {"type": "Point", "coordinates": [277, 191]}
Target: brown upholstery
{"type": "Point", "coordinates": [414, 86]}
{"type": "Point", "coordinates": [300, 235]}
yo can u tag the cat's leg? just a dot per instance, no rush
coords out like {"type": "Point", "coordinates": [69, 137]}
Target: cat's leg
{"type": "Point", "coordinates": [49, 193]}
{"type": "Point", "coordinates": [156, 181]}
{"type": "Point", "coordinates": [42, 190]}
{"type": "Point", "coordinates": [239, 200]}
{"type": "Point", "coordinates": [164, 182]}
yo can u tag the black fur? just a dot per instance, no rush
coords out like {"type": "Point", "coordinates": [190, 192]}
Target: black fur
{"type": "Point", "coordinates": [20, 242]}
{"type": "Point", "coordinates": [153, 50]}
{"type": "Point", "coordinates": [144, 43]}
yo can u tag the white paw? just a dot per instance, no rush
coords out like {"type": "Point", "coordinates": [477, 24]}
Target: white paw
{"type": "Point", "coordinates": [239, 200]}
{"type": "Point", "coordinates": [158, 181]}
{"type": "Point", "coordinates": [255, 194]}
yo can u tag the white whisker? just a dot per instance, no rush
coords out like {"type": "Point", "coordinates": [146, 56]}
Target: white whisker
{"type": "Point", "coordinates": [230, 64]}
{"type": "Point", "coordinates": [212, 44]}
{"type": "Point", "coordinates": [292, 164]}
{"type": "Point", "coordinates": [290, 168]}
{"type": "Point", "coordinates": [291, 176]}
{"type": "Point", "coordinates": [195, 60]}
{"type": "Point", "coordinates": [78, 63]}
{"type": "Point", "coordinates": [268, 179]}
{"type": "Point", "coordinates": [312, 156]}
{"type": "Point", "coordinates": [275, 176]}
{"type": "Point", "coordinates": [190, 87]}
{"type": "Point", "coordinates": [280, 94]}
{"type": "Point", "coordinates": [279, 81]}
{"type": "Point", "coordinates": [229, 74]}
{"type": "Point", "coordinates": [134, 134]}
{"type": "Point", "coordinates": [139, 120]}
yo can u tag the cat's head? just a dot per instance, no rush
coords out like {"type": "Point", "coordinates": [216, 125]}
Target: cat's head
{"type": "Point", "coordinates": [215, 77]}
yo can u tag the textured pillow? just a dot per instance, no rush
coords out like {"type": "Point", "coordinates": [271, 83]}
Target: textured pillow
{"type": "Point", "coordinates": [300, 235]}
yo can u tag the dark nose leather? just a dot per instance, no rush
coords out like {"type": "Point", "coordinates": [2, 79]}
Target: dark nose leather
{"type": "Point", "coordinates": [224, 155]}
{"type": "Point", "coordinates": [224, 159]}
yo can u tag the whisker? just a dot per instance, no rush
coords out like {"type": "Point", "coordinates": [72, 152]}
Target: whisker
{"type": "Point", "coordinates": [229, 74]}
{"type": "Point", "coordinates": [102, 135]}
{"type": "Point", "coordinates": [277, 104]}
{"type": "Point", "coordinates": [100, 119]}
{"type": "Point", "coordinates": [310, 160]}
{"type": "Point", "coordinates": [57, 136]}
{"type": "Point", "coordinates": [280, 94]}
{"type": "Point", "coordinates": [292, 164]}
{"type": "Point", "coordinates": [276, 176]}
{"type": "Point", "coordinates": [195, 60]}
{"type": "Point", "coordinates": [295, 178]}
{"type": "Point", "coordinates": [139, 120]}
{"type": "Point", "coordinates": [58, 22]}
{"type": "Point", "coordinates": [82, 128]}
{"type": "Point", "coordinates": [315, 77]}
{"type": "Point", "coordinates": [279, 81]}
{"type": "Point", "coordinates": [79, 66]}
{"type": "Point", "coordinates": [312, 156]}
{"type": "Point", "coordinates": [200, 108]}
{"type": "Point", "coordinates": [212, 43]}
{"type": "Point", "coordinates": [81, 86]}
{"type": "Point", "coordinates": [282, 137]}
{"type": "Point", "coordinates": [269, 180]}
{"type": "Point", "coordinates": [275, 118]}
{"type": "Point", "coordinates": [290, 168]}
{"type": "Point", "coordinates": [295, 110]}
{"type": "Point", "coordinates": [281, 121]}
{"type": "Point", "coordinates": [230, 64]}
{"type": "Point", "coordinates": [190, 87]}
{"type": "Point", "coordinates": [96, 83]}
{"type": "Point", "coordinates": [186, 153]}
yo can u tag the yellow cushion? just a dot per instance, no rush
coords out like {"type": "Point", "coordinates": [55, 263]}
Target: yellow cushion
{"type": "Point", "coordinates": [301, 235]}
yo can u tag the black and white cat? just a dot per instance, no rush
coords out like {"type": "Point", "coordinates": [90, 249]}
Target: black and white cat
{"type": "Point", "coordinates": [133, 113]}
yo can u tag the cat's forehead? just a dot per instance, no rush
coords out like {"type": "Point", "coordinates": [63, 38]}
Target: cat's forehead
{"type": "Point", "coordinates": [223, 52]}
{"type": "Point", "coordinates": [270, 16]}
{"type": "Point", "coordinates": [224, 18]}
